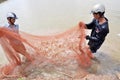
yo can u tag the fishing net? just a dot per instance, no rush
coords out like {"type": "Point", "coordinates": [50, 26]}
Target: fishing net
{"type": "Point", "coordinates": [59, 56]}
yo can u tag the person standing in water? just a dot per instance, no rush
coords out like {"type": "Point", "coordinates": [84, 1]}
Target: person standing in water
{"type": "Point", "coordinates": [99, 27]}
{"type": "Point", "coordinates": [17, 45]}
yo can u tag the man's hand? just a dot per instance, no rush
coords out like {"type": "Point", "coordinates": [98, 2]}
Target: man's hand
{"type": "Point", "coordinates": [82, 24]}
{"type": "Point", "coordinates": [87, 37]}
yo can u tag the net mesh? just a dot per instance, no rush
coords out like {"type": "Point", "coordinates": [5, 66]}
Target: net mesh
{"type": "Point", "coordinates": [65, 54]}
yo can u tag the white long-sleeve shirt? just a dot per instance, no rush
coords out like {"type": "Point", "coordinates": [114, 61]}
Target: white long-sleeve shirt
{"type": "Point", "coordinates": [14, 28]}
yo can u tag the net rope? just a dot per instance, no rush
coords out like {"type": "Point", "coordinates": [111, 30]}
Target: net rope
{"type": "Point", "coordinates": [66, 52]}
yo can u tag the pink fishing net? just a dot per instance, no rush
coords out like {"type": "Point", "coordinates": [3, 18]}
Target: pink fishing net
{"type": "Point", "coordinates": [64, 54]}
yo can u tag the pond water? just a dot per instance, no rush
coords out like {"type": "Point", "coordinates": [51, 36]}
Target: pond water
{"type": "Point", "coordinates": [43, 17]}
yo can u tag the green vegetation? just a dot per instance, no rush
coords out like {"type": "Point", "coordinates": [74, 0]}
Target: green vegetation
{"type": "Point", "coordinates": [22, 78]}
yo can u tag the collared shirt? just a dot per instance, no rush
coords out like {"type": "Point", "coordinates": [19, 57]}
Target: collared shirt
{"type": "Point", "coordinates": [99, 31]}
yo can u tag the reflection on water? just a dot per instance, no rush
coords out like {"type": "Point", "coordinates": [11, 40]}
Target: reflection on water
{"type": "Point", "coordinates": [107, 65]}
{"type": "Point", "coordinates": [53, 16]}
{"type": "Point", "coordinates": [119, 35]}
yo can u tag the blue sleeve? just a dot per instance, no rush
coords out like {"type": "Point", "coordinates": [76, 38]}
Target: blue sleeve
{"type": "Point", "coordinates": [17, 28]}
{"type": "Point", "coordinates": [91, 24]}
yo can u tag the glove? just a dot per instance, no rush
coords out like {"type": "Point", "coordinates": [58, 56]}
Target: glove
{"type": "Point", "coordinates": [87, 37]}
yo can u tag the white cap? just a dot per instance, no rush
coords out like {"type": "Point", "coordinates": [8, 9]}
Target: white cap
{"type": "Point", "coordinates": [11, 14]}
{"type": "Point", "coordinates": [98, 8]}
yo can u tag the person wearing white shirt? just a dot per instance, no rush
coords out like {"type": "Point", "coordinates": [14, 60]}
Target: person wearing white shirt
{"type": "Point", "coordinates": [17, 45]}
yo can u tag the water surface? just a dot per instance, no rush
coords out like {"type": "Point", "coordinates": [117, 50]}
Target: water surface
{"type": "Point", "coordinates": [43, 17]}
